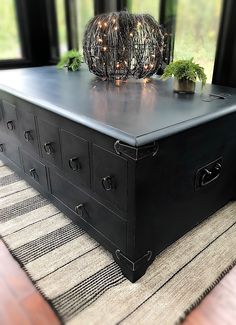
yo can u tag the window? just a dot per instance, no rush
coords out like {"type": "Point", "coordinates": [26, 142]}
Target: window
{"type": "Point", "coordinates": [196, 32]}
{"type": "Point", "coordinates": [10, 46]}
{"type": "Point", "coordinates": [61, 22]}
{"type": "Point", "coordinates": [85, 11]}
{"type": "Point", "coordinates": [148, 6]}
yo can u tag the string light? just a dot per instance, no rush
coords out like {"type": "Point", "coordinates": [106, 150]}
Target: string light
{"type": "Point", "coordinates": [133, 51]}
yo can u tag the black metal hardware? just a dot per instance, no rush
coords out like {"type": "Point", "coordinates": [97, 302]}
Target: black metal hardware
{"type": "Point", "coordinates": [1, 147]}
{"type": "Point", "coordinates": [33, 173]}
{"type": "Point", "coordinates": [136, 153]}
{"type": "Point", "coordinates": [208, 173]}
{"type": "Point", "coordinates": [27, 136]}
{"type": "Point", "coordinates": [79, 209]}
{"type": "Point", "coordinates": [211, 97]}
{"type": "Point", "coordinates": [210, 176]}
{"type": "Point", "coordinates": [134, 265]}
{"type": "Point", "coordinates": [10, 125]}
{"type": "Point", "coordinates": [74, 164]}
{"type": "Point", "coordinates": [48, 148]}
{"type": "Point", "coordinates": [107, 183]}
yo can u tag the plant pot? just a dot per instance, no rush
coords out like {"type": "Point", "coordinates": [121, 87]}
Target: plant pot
{"type": "Point", "coordinates": [184, 86]}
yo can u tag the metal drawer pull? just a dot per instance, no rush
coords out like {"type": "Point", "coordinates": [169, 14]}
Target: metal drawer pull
{"type": "Point", "coordinates": [79, 209]}
{"type": "Point", "coordinates": [33, 173]}
{"type": "Point", "coordinates": [1, 147]}
{"type": "Point", "coordinates": [28, 136]}
{"type": "Point", "coordinates": [48, 148]}
{"type": "Point", "coordinates": [10, 125]}
{"type": "Point", "coordinates": [107, 183]}
{"type": "Point", "coordinates": [210, 176]}
{"type": "Point", "coordinates": [74, 164]}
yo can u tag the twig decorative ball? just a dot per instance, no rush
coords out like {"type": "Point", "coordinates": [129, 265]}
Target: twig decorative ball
{"type": "Point", "coordinates": [120, 45]}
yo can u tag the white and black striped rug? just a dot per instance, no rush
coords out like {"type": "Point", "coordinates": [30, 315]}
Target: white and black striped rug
{"type": "Point", "coordinates": [83, 283]}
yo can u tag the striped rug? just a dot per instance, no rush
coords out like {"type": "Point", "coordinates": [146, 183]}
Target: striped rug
{"type": "Point", "coordinates": [83, 283]}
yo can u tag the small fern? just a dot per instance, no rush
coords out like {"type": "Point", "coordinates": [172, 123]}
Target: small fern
{"type": "Point", "coordinates": [185, 69]}
{"type": "Point", "coordinates": [71, 60]}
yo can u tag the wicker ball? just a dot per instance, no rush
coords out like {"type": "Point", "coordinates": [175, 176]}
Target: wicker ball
{"type": "Point", "coordinates": [120, 45]}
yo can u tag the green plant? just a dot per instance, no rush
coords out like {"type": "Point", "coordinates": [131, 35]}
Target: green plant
{"type": "Point", "coordinates": [185, 69]}
{"type": "Point", "coordinates": [71, 59]}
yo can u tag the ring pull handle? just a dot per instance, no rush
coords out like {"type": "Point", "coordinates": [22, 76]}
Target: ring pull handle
{"type": "Point", "coordinates": [48, 148]}
{"type": "Point", "coordinates": [1, 147]}
{"type": "Point", "coordinates": [10, 125]}
{"type": "Point", "coordinates": [107, 183]}
{"type": "Point", "coordinates": [74, 164]}
{"type": "Point", "coordinates": [210, 176]}
{"type": "Point", "coordinates": [33, 173]}
{"type": "Point", "coordinates": [28, 136]}
{"type": "Point", "coordinates": [79, 209]}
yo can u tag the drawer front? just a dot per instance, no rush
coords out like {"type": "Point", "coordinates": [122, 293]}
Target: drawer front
{"type": "Point", "coordinates": [102, 219]}
{"type": "Point", "coordinates": [27, 130]}
{"type": "Point", "coordinates": [75, 158]}
{"type": "Point", "coordinates": [10, 150]}
{"type": "Point", "coordinates": [49, 142]}
{"type": "Point", "coordinates": [110, 177]}
{"type": "Point", "coordinates": [10, 117]}
{"type": "Point", "coordinates": [1, 115]}
{"type": "Point", "coordinates": [35, 169]}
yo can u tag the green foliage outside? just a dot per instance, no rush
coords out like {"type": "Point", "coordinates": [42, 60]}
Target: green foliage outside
{"type": "Point", "coordinates": [71, 60]}
{"type": "Point", "coordinates": [9, 38]}
{"type": "Point", "coordinates": [196, 32]}
{"type": "Point", "coordinates": [185, 69]}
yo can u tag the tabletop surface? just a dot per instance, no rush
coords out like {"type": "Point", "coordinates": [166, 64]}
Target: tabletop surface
{"type": "Point", "coordinates": [135, 112]}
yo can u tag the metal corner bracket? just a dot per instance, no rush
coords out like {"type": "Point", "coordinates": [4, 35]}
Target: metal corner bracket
{"type": "Point", "coordinates": [145, 259]}
{"type": "Point", "coordinates": [136, 153]}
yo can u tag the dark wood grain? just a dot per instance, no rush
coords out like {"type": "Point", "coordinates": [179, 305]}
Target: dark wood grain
{"type": "Point", "coordinates": [219, 307]}
{"type": "Point", "coordinates": [20, 302]}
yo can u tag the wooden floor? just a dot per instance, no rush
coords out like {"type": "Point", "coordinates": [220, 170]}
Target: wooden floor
{"type": "Point", "coordinates": [21, 303]}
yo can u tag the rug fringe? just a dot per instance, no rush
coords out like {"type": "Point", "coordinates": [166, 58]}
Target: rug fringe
{"type": "Point", "coordinates": [197, 302]}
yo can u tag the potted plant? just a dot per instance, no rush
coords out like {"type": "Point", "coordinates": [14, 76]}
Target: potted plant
{"type": "Point", "coordinates": [185, 73]}
{"type": "Point", "coordinates": [71, 60]}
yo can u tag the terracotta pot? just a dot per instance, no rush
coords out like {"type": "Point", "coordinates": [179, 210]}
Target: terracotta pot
{"type": "Point", "coordinates": [184, 86]}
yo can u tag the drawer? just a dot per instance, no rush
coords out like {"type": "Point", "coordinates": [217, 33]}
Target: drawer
{"type": "Point", "coordinates": [49, 142]}
{"type": "Point", "coordinates": [10, 117]}
{"type": "Point", "coordinates": [95, 214]}
{"type": "Point", "coordinates": [75, 158]}
{"type": "Point", "coordinates": [10, 150]}
{"type": "Point", "coordinates": [35, 169]}
{"type": "Point", "coordinates": [110, 177]}
{"type": "Point", "coordinates": [27, 130]}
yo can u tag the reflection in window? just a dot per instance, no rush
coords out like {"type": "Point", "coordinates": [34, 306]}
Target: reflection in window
{"type": "Point", "coordinates": [10, 47]}
{"type": "Point", "coordinates": [85, 11]}
{"type": "Point", "coordinates": [144, 7]}
{"type": "Point", "coordinates": [197, 25]}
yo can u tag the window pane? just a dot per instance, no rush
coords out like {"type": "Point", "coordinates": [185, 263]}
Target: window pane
{"type": "Point", "coordinates": [145, 7]}
{"type": "Point", "coordinates": [61, 21]}
{"type": "Point", "coordinates": [10, 47]}
{"type": "Point", "coordinates": [196, 32]}
{"type": "Point", "coordinates": [85, 11]}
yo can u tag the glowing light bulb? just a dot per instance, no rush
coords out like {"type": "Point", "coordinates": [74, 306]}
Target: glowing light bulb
{"type": "Point", "coordinates": [113, 20]}
{"type": "Point", "coordinates": [115, 28]}
{"type": "Point", "coordinates": [100, 40]}
{"type": "Point", "coordinates": [105, 24]}
{"type": "Point", "coordinates": [131, 34]}
{"type": "Point", "coordinates": [151, 65]}
{"type": "Point", "coordinates": [117, 64]}
{"type": "Point", "coordinates": [145, 67]}
{"type": "Point", "coordinates": [104, 48]}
